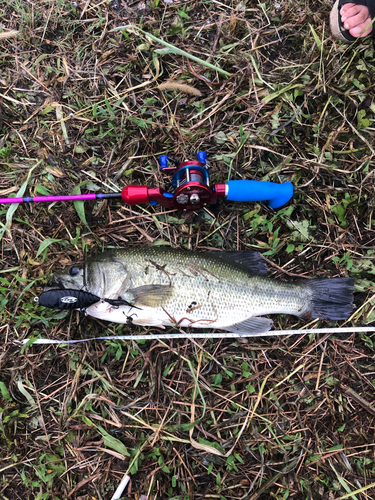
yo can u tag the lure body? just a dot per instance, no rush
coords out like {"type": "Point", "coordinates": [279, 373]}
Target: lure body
{"type": "Point", "coordinates": [62, 298]}
{"type": "Point", "coordinates": [67, 299]}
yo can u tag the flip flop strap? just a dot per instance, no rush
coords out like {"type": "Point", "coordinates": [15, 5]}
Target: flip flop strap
{"type": "Point", "coordinates": [357, 2]}
{"type": "Point", "coordinates": [371, 8]}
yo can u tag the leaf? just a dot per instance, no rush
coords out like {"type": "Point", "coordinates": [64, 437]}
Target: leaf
{"type": "Point", "coordinates": [207, 446]}
{"type": "Point", "coordinates": [160, 243]}
{"type": "Point", "coordinates": [4, 391]}
{"type": "Point", "coordinates": [175, 220]}
{"type": "Point", "coordinates": [47, 110]}
{"type": "Point", "coordinates": [24, 392]}
{"type": "Point", "coordinates": [363, 285]}
{"type": "Point", "coordinates": [183, 14]}
{"type": "Point", "coordinates": [55, 463]}
{"type": "Point", "coordinates": [250, 388]}
{"type": "Point", "coordinates": [165, 51]}
{"type": "Point", "coordinates": [363, 266]}
{"type": "Point", "coordinates": [331, 381]}
{"type": "Point", "coordinates": [60, 118]}
{"type": "Point", "coordinates": [79, 205]}
{"type": "Point", "coordinates": [129, 172]}
{"type": "Point", "coordinates": [90, 186]}
{"type": "Point", "coordinates": [45, 244]}
{"type": "Point", "coordinates": [220, 138]}
{"type": "Point", "coordinates": [61, 314]}
{"type": "Point", "coordinates": [80, 149]}
{"type": "Point", "coordinates": [218, 479]}
{"type": "Point", "coordinates": [145, 47]}
{"type": "Point", "coordinates": [280, 92]}
{"type": "Point", "coordinates": [86, 420]}
{"type": "Point", "coordinates": [362, 121]}
{"type": "Point", "coordinates": [339, 210]}
{"type": "Point", "coordinates": [336, 447]}
{"type": "Point", "coordinates": [290, 248]}
{"type": "Point", "coordinates": [42, 190]}
{"type": "Point", "coordinates": [113, 443]}
{"type": "Point", "coordinates": [370, 318]}
{"type": "Point", "coordinates": [188, 426]}
{"type": "Point", "coordinates": [316, 38]}
{"type": "Point", "coordinates": [56, 172]}
{"type": "Point", "coordinates": [302, 231]}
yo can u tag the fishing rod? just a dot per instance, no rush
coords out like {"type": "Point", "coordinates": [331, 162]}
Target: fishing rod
{"type": "Point", "coordinates": [192, 190]}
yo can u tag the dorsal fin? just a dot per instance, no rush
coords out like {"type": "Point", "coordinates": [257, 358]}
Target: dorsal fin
{"type": "Point", "coordinates": [252, 261]}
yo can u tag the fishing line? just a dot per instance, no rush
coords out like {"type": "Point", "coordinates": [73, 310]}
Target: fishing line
{"type": "Point", "coordinates": [194, 335]}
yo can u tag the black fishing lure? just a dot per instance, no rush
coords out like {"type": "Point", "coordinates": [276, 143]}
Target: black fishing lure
{"type": "Point", "coordinates": [67, 299]}
{"type": "Point", "coordinates": [75, 299]}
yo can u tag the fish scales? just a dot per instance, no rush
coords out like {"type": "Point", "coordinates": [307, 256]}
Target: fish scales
{"type": "Point", "coordinates": [184, 288]}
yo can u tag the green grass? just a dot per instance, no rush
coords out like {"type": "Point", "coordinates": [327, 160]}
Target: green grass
{"type": "Point", "coordinates": [274, 418]}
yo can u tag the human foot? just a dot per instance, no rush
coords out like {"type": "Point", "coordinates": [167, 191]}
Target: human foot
{"type": "Point", "coordinates": [356, 19]}
{"type": "Point", "coordinates": [352, 20]}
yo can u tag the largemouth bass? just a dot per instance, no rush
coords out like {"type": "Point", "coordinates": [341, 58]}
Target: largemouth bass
{"type": "Point", "coordinates": [160, 287]}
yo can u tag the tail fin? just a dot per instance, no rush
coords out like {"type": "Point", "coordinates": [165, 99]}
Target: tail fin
{"type": "Point", "coordinates": [331, 298]}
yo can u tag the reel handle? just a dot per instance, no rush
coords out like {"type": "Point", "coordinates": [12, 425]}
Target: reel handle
{"type": "Point", "coordinates": [275, 194]}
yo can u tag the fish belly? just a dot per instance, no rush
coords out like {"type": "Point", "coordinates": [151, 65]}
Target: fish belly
{"type": "Point", "coordinates": [125, 314]}
{"type": "Point", "coordinates": [221, 306]}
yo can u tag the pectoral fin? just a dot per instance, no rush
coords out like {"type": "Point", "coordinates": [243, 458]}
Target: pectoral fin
{"type": "Point", "coordinates": [151, 295]}
{"type": "Point", "coordinates": [254, 326]}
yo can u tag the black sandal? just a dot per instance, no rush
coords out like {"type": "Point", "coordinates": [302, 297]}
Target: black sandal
{"type": "Point", "coordinates": [337, 27]}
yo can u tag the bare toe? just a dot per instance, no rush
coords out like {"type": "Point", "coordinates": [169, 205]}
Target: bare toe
{"type": "Point", "coordinates": [363, 29]}
{"type": "Point", "coordinates": [346, 7]}
{"type": "Point", "coordinates": [356, 19]}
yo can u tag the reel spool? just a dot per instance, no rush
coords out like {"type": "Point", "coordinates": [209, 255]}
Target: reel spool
{"type": "Point", "coordinates": [191, 182]}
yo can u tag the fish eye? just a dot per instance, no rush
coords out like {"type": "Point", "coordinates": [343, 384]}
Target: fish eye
{"type": "Point", "coordinates": [74, 271]}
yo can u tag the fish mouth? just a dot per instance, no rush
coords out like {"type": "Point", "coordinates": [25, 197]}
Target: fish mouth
{"type": "Point", "coordinates": [53, 285]}
{"type": "Point", "coordinates": [60, 284]}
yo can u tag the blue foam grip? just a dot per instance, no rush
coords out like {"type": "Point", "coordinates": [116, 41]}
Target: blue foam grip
{"type": "Point", "coordinates": [163, 160]}
{"type": "Point", "coordinates": [275, 194]}
{"type": "Point", "coordinates": [202, 156]}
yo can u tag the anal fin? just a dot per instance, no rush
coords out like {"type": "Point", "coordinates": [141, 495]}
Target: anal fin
{"type": "Point", "coordinates": [252, 326]}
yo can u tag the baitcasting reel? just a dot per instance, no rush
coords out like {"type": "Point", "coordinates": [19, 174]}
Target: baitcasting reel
{"type": "Point", "coordinates": [192, 190]}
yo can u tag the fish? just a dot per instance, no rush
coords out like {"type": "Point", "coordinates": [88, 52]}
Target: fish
{"type": "Point", "coordinates": [230, 291]}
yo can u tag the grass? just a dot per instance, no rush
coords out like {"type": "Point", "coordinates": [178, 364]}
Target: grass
{"type": "Point", "coordinates": [273, 418]}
